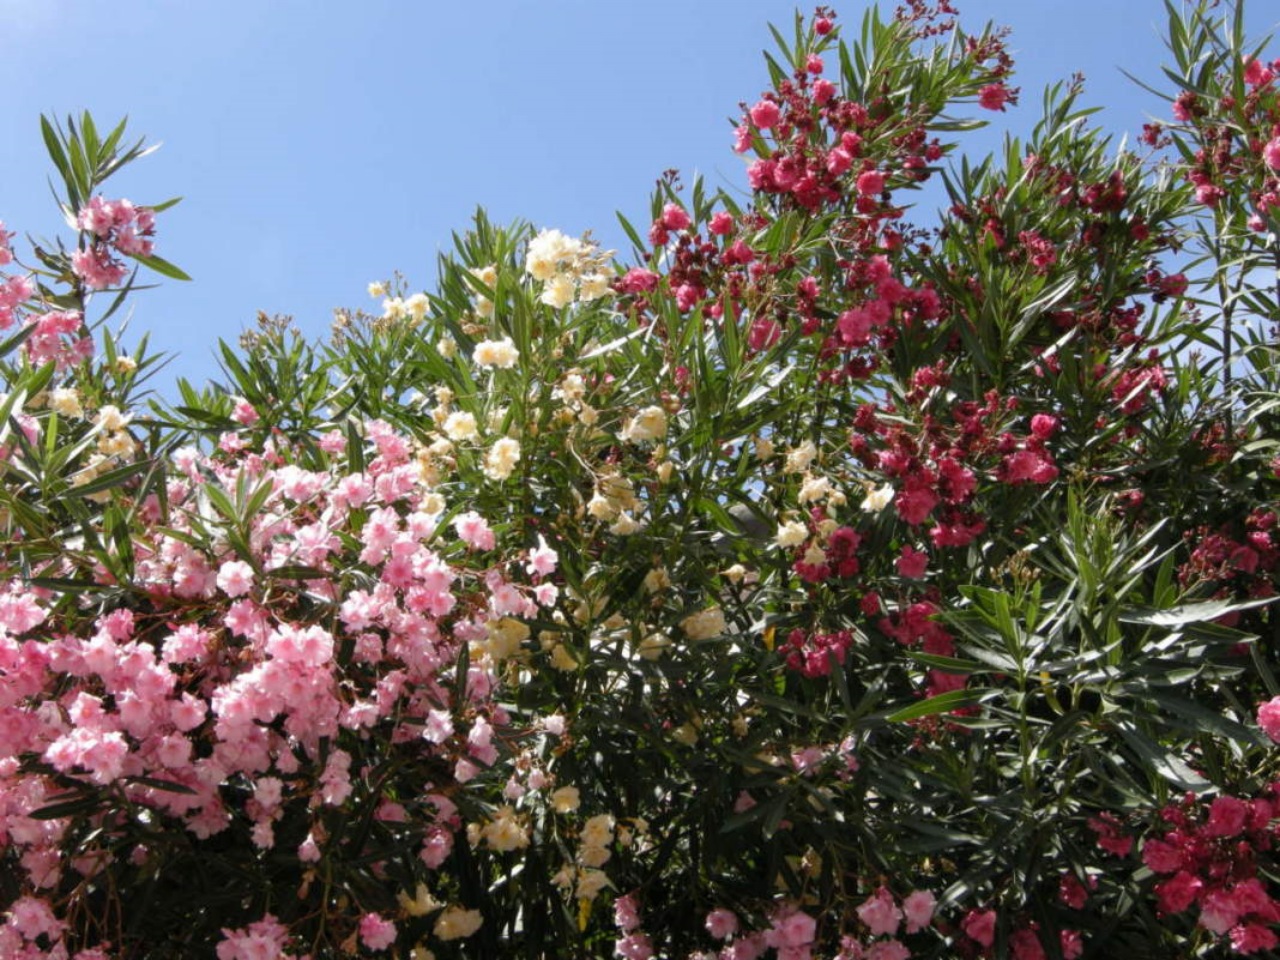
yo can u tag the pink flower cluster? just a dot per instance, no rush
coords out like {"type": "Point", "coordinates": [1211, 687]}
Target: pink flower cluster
{"type": "Point", "coordinates": [229, 702]}
{"type": "Point", "coordinates": [1207, 858]}
{"type": "Point", "coordinates": [112, 225]}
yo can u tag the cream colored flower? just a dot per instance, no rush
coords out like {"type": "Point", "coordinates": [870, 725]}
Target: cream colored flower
{"type": "Point", "coordinates": [649, 424]}
{"type": "Point", "coordinates": [496, 353]}
{"type": "Point", "coordinates": [791, 534]}
{"type": "Point", "coordinates": [447, 346]}
{"type": "Point", "coordinates": [558, 292]}
{"type": "Point", "coordinates": [420, 904]}
{"type": "Point", "coordinates": [565, 800]}
{"type": "Point", "coordinates": [460, 426]}
{"type": "Point", "coordinates": [377, 289]}
{"type": "Point", "coordinates": [590, 883]}
{"type": "Point", "coordinates": [117, 444]}
{"type": "Point", "coordinates": [393, 309]}
{"type": "Point", "coordinates": [704, 624]}
{"type": "Point", "coordinates": [593, 286]}
{"type": "Point", "coordinates": [625, 525]}
{"type": "Point", "coordinates": [597, 831]}
{"type": "Point", "coordinates": [877, 498]}
{"type": "Point", "coordinates": [65, 402]}
{"type": "Point", "coordinates": [686, 734]}
{"type": "Point", "coordinates": [814, 488]}
{"type": "Point", "coordinates": [504, 832]}
{"type": "Point", "coordinates": [799, 458]}
{"type": "Point", "coordinates": [457, 923]}
{"type": "Point", "coordinates": [110, 418]}
{"type": "Point", "coordinates": [505, 637]}
{"type": "Point", "coordinates": [417, 306]}
{"type": "Point", "coordinates": [562, 659]}
{"type": "Point", "coordinates": [500, 461]}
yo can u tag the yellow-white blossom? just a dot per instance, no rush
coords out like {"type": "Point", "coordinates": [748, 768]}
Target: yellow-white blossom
{"type": "Point", "coordinates": [505, 637]}
{"type": "Point", "coordinates": [110, 418]}
{"type": "Point", "coordinates": [457, 923]}
{"type": "Point", "coordinates": [799, 458]}
{"type": "Point", "coordinates": [597, 831]}
{"type": "Point", "coordinates": [565, 800]}
{"type": "Point", "coordinates": [65, 402]}
{"type": "Point", "coordinates": [420, 904]}
{"type": "Point", "coordinates": [504, 832]}
{"type": "Point", "coordinates": [447, 346]}
{"type": "Point", "coordinates": [571, 389]}
{"type": "Point", "coordinates": [657, 580]}
{"type": "Point", "coordinates": [686, 734]}
{"type": "Point", "coordinates": [558, 291]}
{"type": "Point", "coordinates": [704, 624]}
{"type": "Point", "coordinates": [460, 425]}
{"type": "Point", "coordinates": [417, 306]}
{"type": "Point", "coordinates": [500, 461]}
{"type": "Point", "coordinates": [625, 525]}
{"type": "Point", "coordinates": [118, 444]}
{"type": "Point", "coordinates": [649, 424]}
{"type": "Point", "coordinates": [496, 353]}
{"type": "Point", "coordinates": [593, 286]}
{"type": "Point", "coordinates": [791, 534]}
{"type": "Point", "coordinates": [653, 646]}
{"type": "Point", "coordinates": [393, 309]}
{"type": "Point", "coordinates": [377, 289]}
{"type": "Point", "coordinates": [590, 883]}
{"type": "Point", "coordinates": [814, 488]}
{"type": "Point", "coordinates": [562, 659]}
{"type": "Point", "coordinates": [877, 498]}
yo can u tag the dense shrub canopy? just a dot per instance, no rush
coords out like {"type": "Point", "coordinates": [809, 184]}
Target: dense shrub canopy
{"type": "Point", "coordinates": [809, 581]}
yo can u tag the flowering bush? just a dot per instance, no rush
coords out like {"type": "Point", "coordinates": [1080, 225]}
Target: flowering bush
{"type": "Point", "coordinates": [810, 583]}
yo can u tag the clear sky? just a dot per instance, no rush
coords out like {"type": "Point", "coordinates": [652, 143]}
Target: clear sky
{"type": "Point", "coordinates": [320, 145]}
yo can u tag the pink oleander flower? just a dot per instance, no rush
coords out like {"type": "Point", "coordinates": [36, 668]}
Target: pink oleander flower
{"type": "Point", "coordinates": [1227, 817]}
{"type": "Point", "coordinates": [675, 217]}
{"type": "Point", "coordinates": [912, 563]}
{"type": "Point", "coordinates": [870, 183]}
{"type": "Point", "coordinates": [634, 946]}
{"type": "Point", "coordinates": [1271, 153]}
{"type": "Point", "coordinates": [881, 915]}
{"type": "Point", "coordinates": [980, 925]}
{"type": "Point", "coordinates": [918, 909]}
{"type": "Point", "coordinates": [1252, 938]}
{"type": "Point", "coordinates": [994, 96]}
{"type": "Point", "coordinates": [765, 114]}
{"type": "Point", "coordinates": [1269, 717]}
{"type": "Point", "coordinates": [888, 950]}
{"type": "Point", "coordinates": [235, 578]}
{"type": "Point", "coordinates": [626, 913]}
{"type": "Point", "coordinates": [377, 933]}
{"type": "Point", "coordinates": [721, 923]}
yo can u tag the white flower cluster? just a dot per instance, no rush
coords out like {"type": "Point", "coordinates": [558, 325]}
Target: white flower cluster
{"type": "Point", "coordinates": [569, 268]}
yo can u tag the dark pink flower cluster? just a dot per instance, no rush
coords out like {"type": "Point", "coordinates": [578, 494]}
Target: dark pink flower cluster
{"type": "Point", "coordinates": [812, 653]}
{"type": "Point", "coordinates": [1208, 857]}
{"type": "Point", "coordinates": [1239, 560]}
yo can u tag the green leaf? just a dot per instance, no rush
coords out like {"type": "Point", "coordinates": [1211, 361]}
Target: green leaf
{"type": "Point", "coordinates": [164, 267]}
{"type": "Point", "coordinates": [942, 703]}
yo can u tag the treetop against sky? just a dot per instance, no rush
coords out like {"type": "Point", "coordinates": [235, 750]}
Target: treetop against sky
{"type": "Point", "coordinates": [318, 149]}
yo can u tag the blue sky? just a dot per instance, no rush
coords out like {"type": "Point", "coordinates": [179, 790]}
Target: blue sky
{"type": "Point", "coordinates": [321, 145]}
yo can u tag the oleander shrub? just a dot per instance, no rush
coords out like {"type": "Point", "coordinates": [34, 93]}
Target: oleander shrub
{"type": "Point", "coordinates": [818, 578]}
